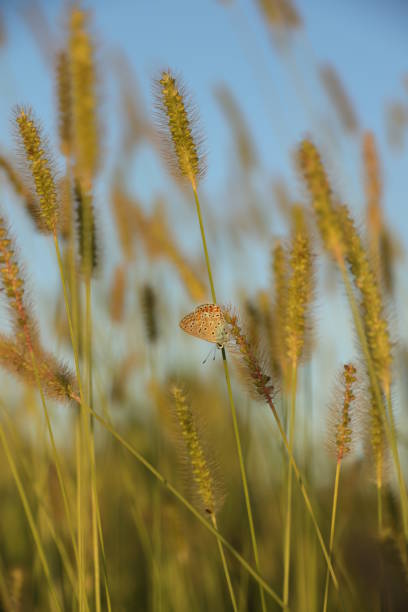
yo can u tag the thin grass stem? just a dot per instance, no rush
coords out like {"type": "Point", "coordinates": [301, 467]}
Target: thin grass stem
{"type": "Point", "coordinates": [304, 493]}
{"type": "Point", "coordinates": [390, 431]}
{"type": "Point", "coordinates": [332, 524]}
{"type": "Point", "coordinates": [232, 404]}
{"type": "Point", "coordinates": [30, 519]}
{"type": "Point", "coordinates": [225, 566]}
{"type": "Point", "coordinates": [288, 524]}
{"type": "Point", "coordinates": [253, 572]}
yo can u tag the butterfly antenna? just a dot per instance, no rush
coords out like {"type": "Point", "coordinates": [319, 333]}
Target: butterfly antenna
{"type": "Point", "coordinates": [212, 351]}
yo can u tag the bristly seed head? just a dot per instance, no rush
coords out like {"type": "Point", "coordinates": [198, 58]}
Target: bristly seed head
{"type": "Point", "coordinates": [314, 175]}
{"type": "Point", "coordinates": [40, 166]}
{"type": "Point", "coordinates": [177, 126]}
{"type": "Point", "coordinates": [201, 470]}
{"type": "Point", "coordinates": [343, 425]}
{"type": "Point", "coordinates": [299, 291]}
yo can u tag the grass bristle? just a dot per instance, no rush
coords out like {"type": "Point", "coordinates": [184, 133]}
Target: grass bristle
{"type": "Point", "coordinates": [40, 166]}
{"type": "Point", "coordinates": [86, 231]}
{"type": "Point", "coordinates": [202, 473]}
{"type": "Point", "coordinates": [57, 382]}
{"type": "Point", "coordinates": [341, 412]}
{"type": "Point", "coordinates": [85, 120]}
{"type": "Point", "coordinates": [63, 78]}
{"type": "Point", "coordinates": [177, 123]}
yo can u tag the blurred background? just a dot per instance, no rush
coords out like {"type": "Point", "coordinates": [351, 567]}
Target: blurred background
{"type": "Point", "coordinates": [262, 75]}
{"type": "Point", "coordinates": [330, 72]}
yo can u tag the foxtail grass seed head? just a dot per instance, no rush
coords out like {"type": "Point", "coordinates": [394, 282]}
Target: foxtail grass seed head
{"type": "Point", "coordinates": [40, 165]}
{"type": "Point", "coordinates": [85, 122]}
{"type": "Point", "coordinates": [339, 98]}
{"type": "Point", "coordinates": [299, 291]}
{"type": "Point", "coordinates": [118, 293]}
{"type": "Point", "coordinates": [372, 183]}
{"type": "Point", "coordinates": [342, 413]}
{"type": "Point", "coordinates": [280, 286]}
{"type": "Point", "coordinates": [149, 308]}
{"type": "Point", "coordinates": [280, 14]}
{"type": "Point", "coordinates": [63, 78]}
{"type": "Point", "coordinates": [56, 380]}
{"type": "Point", "coordinates": [244, 144]}
{"type": "Point", "coordinates": [378, 447]}
{"type": "Point", "coordinates": [200, 468]}
{"type": "Point", "coordinates": [314, 175]}
{"type": "Point", "coordinates": [88, 248]}
{"type": "Point", "coordinates": [371, 304]}
{"type": "Point", "coordinates": [259, 382]}
{"type": "Point", "coordinates": [123, 211]}
{"type": "Point", "coordinates": [177, 124]}
{"type": "Point", "coordinates": [21, 190]}
{"type": "Point", "coordinates": [13, 284]}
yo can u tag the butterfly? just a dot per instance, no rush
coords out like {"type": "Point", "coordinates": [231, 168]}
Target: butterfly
{"type": "Point", "coordinates": [206, 322]}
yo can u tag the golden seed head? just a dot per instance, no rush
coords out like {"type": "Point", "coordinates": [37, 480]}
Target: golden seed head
{"type": "Point", "coordinates": [85, 122]}
{"type": "Point", "coordinates": [373, 187]}
{"type": "Point", "coordinates": [201, 471]}
{"type": "Point", "coordinates": [64, 102]}
{"type": "Point", "coordinates": [40, 166]}
{"type": "Point", "coordinates": [57, 382]}
{"type": "Point", "coordinates": [378, 449]}
{"type": "Point", "coordinates": [371, 304]}
{"type": "Point", "coordinates": [299, 290]}
{"type": "Point", "coordinates": [314, 174]}
{"type": "Point", "coordinates": [88, 245]}
{"type": "Point", "coordinates": [339, 98]}
{"type": "Point", "coordinates": [280, 284]}
{"type": "Point", "coordinates": [259, 382]}
{"type": "Point", "coordinates": [13, 285]}
{"type": "Point", "coordinates": [280, 14]}
{"type": "Point", "coordinates": [343, 426]}
{"type": "Point", "coordinates": [244, 144]}
{"type": "Point", "coordinates": [118, 294]}
{"type": "Point", "coordinates": [21, 189]}
{"type": "Point", "coordinates": [177, 125]}
{"type": "Point", "coordinates": [149, 307]}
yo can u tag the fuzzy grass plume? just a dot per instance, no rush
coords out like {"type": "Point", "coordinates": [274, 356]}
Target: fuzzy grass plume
{"type": "Point", "coordinates": [318, 186]}
{"type": "Point", "coordinates": [41, 168]}
{"type": "Point", "coordinates": [13, 284]}
{"type": "Point", "coordinates": [64, 95]}
{"type": "Point", "coordinates": [299, 290]}
{"type": "Point", "coordinates": [341, 415]}
{"type": "Point", "coordinates": [202, 474]}
{"type": "Point", "coordinates": [86, 231]}
{"type": "Point", "coordinates": [85, 121]}
{"type": "Point", "coordinates": [177, 123]}
{"type": "Point", "coordinates": [57, 381]}
{"type": "Point", "coordinates": [371, 304]}
{"type": "Point", "coordinates": [339, 98]}
{"type": "Point", "coordinates": [148, 299]}
{"type": "Point", "coordinates": [21, 189]}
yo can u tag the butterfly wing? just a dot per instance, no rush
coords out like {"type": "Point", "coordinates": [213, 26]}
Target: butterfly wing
{"type": "Point", "coordinates": [206, 323]}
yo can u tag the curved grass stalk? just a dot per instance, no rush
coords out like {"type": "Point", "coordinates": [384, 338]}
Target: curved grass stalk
{"type": "Point", "coordinates": [288, 524]}
{"type": "Point", "coordinates": [30, 519]}
{"type": "Point", "coordinates": [132, 450]}
{"type": "Point", "coordinates": [231, 402]}
{"type": "Point", "coordinates": [389, 431]}
{"type": "Point", "coordinates": [83, 604]}
{"type": "Point", "coordinates": [304, 493]}
{"type": "Point", "coordinates": [225, 567]}
{"type": "Point", "coordinates": [96, 521]}
{"type": "Point", "coordinates": [332, 524]}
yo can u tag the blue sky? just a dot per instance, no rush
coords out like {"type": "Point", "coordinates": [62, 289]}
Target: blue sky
{"type": "Point", "coordinates": [210, 42]}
